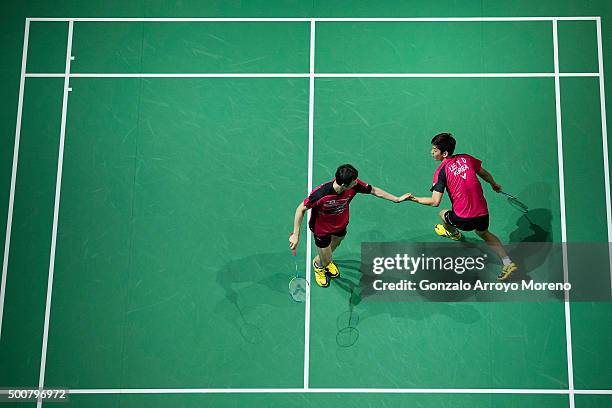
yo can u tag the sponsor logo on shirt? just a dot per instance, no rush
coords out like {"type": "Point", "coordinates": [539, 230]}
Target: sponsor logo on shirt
{"type": "Point", "coordinates": [459, 168]}
{"type": "Point", "coordinates": [335, 206]}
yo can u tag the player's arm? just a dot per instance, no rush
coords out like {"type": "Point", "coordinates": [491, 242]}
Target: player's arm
{"type": "Point", "coordinates": [434, 200]}
{"type": "Point", "coordinates": [486, 176]}
{"type": "Point", "coordinates": [379, 192]}
{"type": "Point", "coordinates": [294, 238]}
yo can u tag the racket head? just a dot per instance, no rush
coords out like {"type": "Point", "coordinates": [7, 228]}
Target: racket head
{"type": "Point", "coordinates": [515, 202]}
{"type": "Point", "coordinates": [298, 289]}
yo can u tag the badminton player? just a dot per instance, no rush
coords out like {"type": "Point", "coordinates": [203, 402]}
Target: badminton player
{"type": "Point", "coordinates": [329, 217]}
{"type": "Point", "coordinates": [458, 175]}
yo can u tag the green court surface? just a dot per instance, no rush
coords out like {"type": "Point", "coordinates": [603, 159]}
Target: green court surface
{"type": "Point", "coordinates": [147, 213]}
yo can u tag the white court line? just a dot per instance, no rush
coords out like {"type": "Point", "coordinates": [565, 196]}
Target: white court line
{"type": "Point", "coordinates": [457, 75]}
{"type": "Point", "coordinates": [310, 171]}
{"type": "Point", "coordinates": [58, 189]}
{"type": "Point", "coordinates": [157, 391]}
{"type": "Point", "coordinates": [9, 217]}
{"type": "Point", "coordinates": [307, 19]}
{"type": "Point", "coordinates": [580, 74]}
{"type": "Point", "coordinates": [319, 75]}
{"type": "Point", "coordinates": [604, 137]}
{"type": "Point", "coordinates": [301, 75]}
{"type": "Point", "coordinates": [338, 391]}
{"type": "Point", "coordinates": [568, 325]}
{"type": "Point", "coordinates": [40, 75]}
{"type": "Point", "coordinates": [195, 75]}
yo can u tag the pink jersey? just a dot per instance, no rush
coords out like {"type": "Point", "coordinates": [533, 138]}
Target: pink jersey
{"type": "Point", "coordinates": [458, 175]}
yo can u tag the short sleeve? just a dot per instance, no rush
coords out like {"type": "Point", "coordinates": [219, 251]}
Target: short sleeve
{"type": "Point", "coordinates": [316, 195]}
{"type": "Point", "coordinates": [310, 201]}
{"type": "Point", "coordinates": [440, 181]}
{"type": "Point", "coordinates": [363, 187]}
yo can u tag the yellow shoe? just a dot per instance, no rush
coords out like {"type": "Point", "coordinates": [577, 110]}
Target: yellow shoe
{"type": "Point", "coordinates": [320, 276]}
{"type": "Point", "coordinates": [332, 270]}
{"type": "Point", "coordinates": [443, 232]}
{"type": "Point", "coordinates": [507, 271]}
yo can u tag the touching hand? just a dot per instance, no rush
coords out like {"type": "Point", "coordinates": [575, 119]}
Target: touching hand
{"type": "Point", "coordinates": [407, 196]}
{"type": "Point", "coordinates": [496, 187]}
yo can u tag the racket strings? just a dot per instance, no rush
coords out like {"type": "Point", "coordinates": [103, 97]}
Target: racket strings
{"type": "Point", "coordinates": [298, 289]}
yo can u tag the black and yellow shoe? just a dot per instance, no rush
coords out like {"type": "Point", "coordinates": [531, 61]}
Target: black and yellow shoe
{"type": "Point", "coordinates": [320, 275]}
{"type": "Point", "coordinates": [443, 232]}
{"type": "Point", "coordinates": [332, 270]}
{"type": "Point", "coordinates": [507, 270]}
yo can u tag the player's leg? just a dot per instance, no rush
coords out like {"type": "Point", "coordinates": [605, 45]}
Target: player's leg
{"type": "Point", "coordinates": [494, 242]}
{"type": "Point", "coordinates": [447, 229]}
{"type": "Point", "coordinates": [496, 245]}
{"type": "Point", "coordinates": [322, 260]}
{"type": "Point", "coordinates": [336, 240]}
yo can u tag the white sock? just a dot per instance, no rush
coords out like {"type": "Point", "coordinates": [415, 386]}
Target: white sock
{"type": "Point", "coordinates": [506, 260]}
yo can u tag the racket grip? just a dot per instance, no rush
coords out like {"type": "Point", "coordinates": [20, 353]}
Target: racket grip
{"type": "Point", "coordinates": [294, 250]}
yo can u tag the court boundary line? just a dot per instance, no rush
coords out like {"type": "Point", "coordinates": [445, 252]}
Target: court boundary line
{"type": "Point", "coordinates": [486, 391]}
{"type": "Point", "coordinates": [568, 327]}
{"type": "Point", "coordinates": [317, 75]}
{"type": "Point", "coordinates": [604, 137]}
{"type": "Point", "coordinates": [58, 189]}
{"type": "Point", "coordinates": [308, 19]}
{"type": "Point", "coordinates": [311, 95]}
{"type": "Point", "coordinates": [9, 216]}
{"type": "Point", "coordinates": [571, 391]}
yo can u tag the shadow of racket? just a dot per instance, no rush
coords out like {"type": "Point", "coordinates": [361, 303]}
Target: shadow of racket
{"type": "Point", "coordinates": [248, 331]}
{"type": "Point", "coordinates": [347, 322]}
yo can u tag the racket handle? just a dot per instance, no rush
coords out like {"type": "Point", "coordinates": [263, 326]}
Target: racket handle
{"type": "Point", "coordinates": [294, 250]}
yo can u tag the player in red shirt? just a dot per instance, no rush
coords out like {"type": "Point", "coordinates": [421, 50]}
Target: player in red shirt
{"type": "Point", "coordinates": [329, 217]}
{"type": "Point", "coordinates": [458, 175]}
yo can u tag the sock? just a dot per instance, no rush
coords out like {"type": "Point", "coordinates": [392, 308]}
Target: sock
{"type": "Point", "coordinates": [506, 260]}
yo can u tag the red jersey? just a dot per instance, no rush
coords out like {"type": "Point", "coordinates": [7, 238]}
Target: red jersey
{"type": "Point", "coordinates": [458, 175]}
{"type": "Point", "coordinates": [330, 210]}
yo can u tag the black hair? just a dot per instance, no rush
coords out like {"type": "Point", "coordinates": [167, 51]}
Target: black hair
{"type": "Point", "coordinates": [345, 174]}
{"type": "Point", "coordinates": [445, 142]}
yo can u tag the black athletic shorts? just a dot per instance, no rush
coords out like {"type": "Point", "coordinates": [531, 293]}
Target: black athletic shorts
{"type": "Point", "coordinates": [467, 224]}
{"type": "Point", "coordinates": [323, 241]}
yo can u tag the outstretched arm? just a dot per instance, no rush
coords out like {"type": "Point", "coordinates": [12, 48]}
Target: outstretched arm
{"type": "Point", "coordinates": [294, 238]}
{"type": "Point", "coordinates": [486, 176]}
{"type": "Point", "coordinates": [433, 201]}
{"type": "Point", "coordinates": [379, 192]}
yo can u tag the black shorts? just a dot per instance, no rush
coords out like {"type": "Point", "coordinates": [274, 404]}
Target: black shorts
{"type": "Point", "coordinates": [467, 224]}
{"type": "Point", "coordinates": [323, 241]}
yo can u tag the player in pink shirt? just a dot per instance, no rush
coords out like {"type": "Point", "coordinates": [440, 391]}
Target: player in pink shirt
{"type": "Point", "coordinates": [458, 175]}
